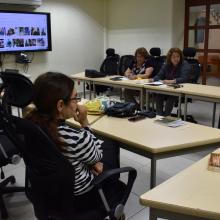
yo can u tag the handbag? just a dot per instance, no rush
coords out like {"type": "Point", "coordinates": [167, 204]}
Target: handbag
{"type": "Point", "coordinates": [121, 110]}
{"type": "Point", "coordinates": [93, 73]}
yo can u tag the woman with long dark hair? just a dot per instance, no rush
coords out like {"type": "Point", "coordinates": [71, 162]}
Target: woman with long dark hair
{"type": "Point", "coordinates": [56, 100]}
{"type": "Point", "coordinates": [176, 70]}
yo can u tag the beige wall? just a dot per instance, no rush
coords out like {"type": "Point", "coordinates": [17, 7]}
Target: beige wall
{"type": "Point", "coordinates": [178, 23]}
{"type": "Point", "coordinates": [148, 23]}
{"type": "Point", "coordinates": [82, 30]}
{"type": "Point", "coordinates": [77, 38]}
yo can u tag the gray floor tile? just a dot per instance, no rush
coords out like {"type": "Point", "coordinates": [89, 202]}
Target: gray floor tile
{"type": "Point", "coordinates": [19, 174]}
{"type": "Point", "coordinates": [132, 206]}
{"type": "Point", "coordinates": [142, 215]}
{"type": "Point", "coordinates": [135, 157]}
{"type": "Point", "coordinates": [19, 208]}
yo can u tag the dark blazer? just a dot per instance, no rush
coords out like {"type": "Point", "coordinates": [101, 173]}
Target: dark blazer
{"type": "Point", "coordinates": [181, 73]}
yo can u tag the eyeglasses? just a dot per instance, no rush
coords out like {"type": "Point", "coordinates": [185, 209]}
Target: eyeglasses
{"type": "Point", "coordinates": [77, 99]}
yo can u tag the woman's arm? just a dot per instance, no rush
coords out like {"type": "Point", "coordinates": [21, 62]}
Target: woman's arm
{"type": "Point", "coordinates": [148, 72]}
{"type": "Point", "coordinates": [184, 73]}
{"type": "Point", "coordinates": [161, 74]}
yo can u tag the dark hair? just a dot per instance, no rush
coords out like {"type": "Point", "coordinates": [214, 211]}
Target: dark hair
{"type": "Point", "coordinates": [142, 51]}
{"type": "Point", "coordinates": [174, 50]}
{"type": "Point", "coordinates": [49, 88]}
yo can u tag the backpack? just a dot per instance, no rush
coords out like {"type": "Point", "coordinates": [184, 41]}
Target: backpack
{"type": "Point", "coordinates": [122, 110]}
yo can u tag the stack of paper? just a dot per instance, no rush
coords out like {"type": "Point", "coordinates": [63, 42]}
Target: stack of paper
{"type": "Point", "coordinates": [156, 83]}
{"type": "Point", "coordinates": [171, 121]}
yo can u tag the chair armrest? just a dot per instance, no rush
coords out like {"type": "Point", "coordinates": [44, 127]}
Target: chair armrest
{"type": "Point", "coordinates": [132, 173]}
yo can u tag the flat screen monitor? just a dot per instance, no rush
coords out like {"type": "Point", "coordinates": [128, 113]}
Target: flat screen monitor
{"type": "Point", "coordinates": [24, 31]}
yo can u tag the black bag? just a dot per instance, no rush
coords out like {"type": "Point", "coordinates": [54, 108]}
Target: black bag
{"type": "Point", "coordinates": [148, 114]}
{"type": "Point", "coordinates": [121, 110]}
{"type": "Point", "coordinates": [93, 73]}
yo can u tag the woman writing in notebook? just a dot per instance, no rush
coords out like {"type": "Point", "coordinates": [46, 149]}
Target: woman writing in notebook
{"type": "Point", "coordinates": [175, 71]}
{"type": "Point", "coordinates": [141, 68]}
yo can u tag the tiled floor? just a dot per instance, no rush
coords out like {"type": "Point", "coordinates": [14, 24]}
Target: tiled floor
{"type": "Point", "coordinates": [20, 209]}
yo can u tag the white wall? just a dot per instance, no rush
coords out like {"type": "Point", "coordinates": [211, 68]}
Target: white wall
{"type": "Point", "coordinates": [178, 23]}
{"type": "Point", "coordinates": [82, 30]}
{"type": "Point", "coordinates": [149, 23]}
{"type": "Point", "coordinates": [77, 38]}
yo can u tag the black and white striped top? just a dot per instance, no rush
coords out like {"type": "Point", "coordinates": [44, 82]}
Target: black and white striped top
{"type": "Point", "coordinates": [82, 150]}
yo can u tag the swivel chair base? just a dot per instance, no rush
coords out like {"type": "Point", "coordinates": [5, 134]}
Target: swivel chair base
{"type": "Point", "coordinates": [5, 190]}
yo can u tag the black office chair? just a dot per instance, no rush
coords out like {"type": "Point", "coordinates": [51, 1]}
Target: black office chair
{"type": "Point", "coordinates": [189, 54]}
{"type": "Point", "coordinates": [124, 63]}
{"type": "Point", "coordinates": [49, 176]}
{"type": "Point", "coordinates": [157, 60]}
{"type": "Point", "coordinates": [9, 154]}
{"type": "Point", "coordinates": [108, 67]}
{"type": "Point", "coordinates": [110, 64]}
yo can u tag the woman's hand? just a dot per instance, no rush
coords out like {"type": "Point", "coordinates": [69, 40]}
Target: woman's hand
{"type": "Point", "coordinates": [97, 168]}
{"type": "Point", "coordinates": [132, 76]}
{"type": "Point", "coordinates": [81, 115]}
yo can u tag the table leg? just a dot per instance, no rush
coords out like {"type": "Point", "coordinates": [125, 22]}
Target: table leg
{"type": "Point", "coordinates": [84, 89]}
{"type": "Point", "coordinates": [147, 101]}
{"type": "Point", "coordinates": [152, 101]}
{"type": "Point", "coordinates": [90, 90]}
{"type": "Point", "coordinates": [213, 115]}
{"type": "Point", "coordinates": [219, 122]}
{"type": "Point", "coordinates": [141, 99]}
{"type": "Point", "coordinates": [179, 106]}
{"type": "Point", "coordinates": [94, 93]}
{"type": "Point", "coordinates": [153, 173]}
{"type": "Point", "coordinates": [153, 214]}
{"type": "Point", "coordinates": [185, 107]}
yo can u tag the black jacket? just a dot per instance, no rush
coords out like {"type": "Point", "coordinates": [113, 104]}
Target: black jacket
{"type": "Point", "coordinates": [181, 74]}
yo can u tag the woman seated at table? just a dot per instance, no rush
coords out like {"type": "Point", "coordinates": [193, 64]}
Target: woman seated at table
{"type": "Point", "coordinates": [80, 147]}
{"type": "Point", "coordinates": [141, 68]}
{"type": "Point", "coordinates": [175, 71]}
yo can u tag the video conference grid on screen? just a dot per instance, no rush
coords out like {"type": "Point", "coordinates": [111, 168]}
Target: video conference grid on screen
{"type": "Point", "coordinates": [23, 32]}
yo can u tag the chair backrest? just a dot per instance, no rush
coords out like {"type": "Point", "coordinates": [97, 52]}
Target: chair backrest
{"type": "Point", "coordinates": [125, 62]}
{"type": "Point", "coordinates": [110, 64]}
{"type": "Point", "coordinates": [50, 175]}
{"type": "Point", "coordinates": [156, 59]}
{"type": "Point", "coordinates": [189, 55]}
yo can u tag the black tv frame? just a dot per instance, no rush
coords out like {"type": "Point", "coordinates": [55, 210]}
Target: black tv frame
{"type": "Point", "coordinates": [48, 32]}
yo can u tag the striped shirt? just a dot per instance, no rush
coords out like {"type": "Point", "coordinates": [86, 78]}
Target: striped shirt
{"type": "Point", "coordinates": [82, 150]}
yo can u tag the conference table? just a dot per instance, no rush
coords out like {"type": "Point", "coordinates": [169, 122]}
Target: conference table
{"type": "Point", "coordinates": [127, 84]}
{"type": "Point", "coordinates": [203, 93]}
{"type": "Point", "coordinates": [192, 194]}
{"type": "Point", "coordinates": [156, 141]}
{"type": "Point", "coordinates": [187, 90]}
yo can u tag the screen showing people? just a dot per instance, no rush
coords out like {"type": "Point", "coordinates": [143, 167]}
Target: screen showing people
{"type": "Point", "coordinates": [24, 31]}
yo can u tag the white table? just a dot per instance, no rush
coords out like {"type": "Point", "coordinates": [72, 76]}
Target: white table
{"type": "Point", "coordinates": [156, 141]}
{"type": "Point", "coordinates": [192, 194]}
